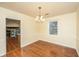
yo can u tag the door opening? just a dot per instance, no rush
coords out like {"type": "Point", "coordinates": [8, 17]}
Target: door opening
{"type": "Point", "coordinates": [12, 34]}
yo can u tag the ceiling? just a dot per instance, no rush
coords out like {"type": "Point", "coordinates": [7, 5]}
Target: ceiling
{"type": "Point", "coordinates": [31, 8]}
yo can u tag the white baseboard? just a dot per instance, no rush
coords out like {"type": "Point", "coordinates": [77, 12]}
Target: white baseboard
{"type": "Point", "coordinates": [77, 52]}
{"type": "Point", "coordinates": [28, 43]}
{"type": "Point", "coordinates": [59, 43]}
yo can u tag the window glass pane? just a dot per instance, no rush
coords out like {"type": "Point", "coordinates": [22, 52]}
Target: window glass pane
{"type": "Point", "coordinates": [53, 28]}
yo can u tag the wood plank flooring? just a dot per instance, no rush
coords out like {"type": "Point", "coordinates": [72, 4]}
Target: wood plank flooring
{"type": "Point", "coordinates": [43, 49]}
{"type": "Point", "coordinates": [12, 44]}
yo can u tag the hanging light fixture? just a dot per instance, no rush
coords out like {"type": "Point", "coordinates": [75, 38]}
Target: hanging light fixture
{"type": "Point", "coordinates": [40, 18]}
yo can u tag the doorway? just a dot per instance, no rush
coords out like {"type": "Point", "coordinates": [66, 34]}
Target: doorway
{"type": "Point", "coordinates": [12, 34]}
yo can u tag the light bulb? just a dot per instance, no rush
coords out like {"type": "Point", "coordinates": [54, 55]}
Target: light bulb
{"type": "Point", "coordinates": [42, 18]}
{"type": "Point", "coordinates": [36, 18]}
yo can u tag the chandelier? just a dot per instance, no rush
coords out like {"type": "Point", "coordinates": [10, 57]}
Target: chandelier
{"type": "Point", "coordinates": [40, 18]}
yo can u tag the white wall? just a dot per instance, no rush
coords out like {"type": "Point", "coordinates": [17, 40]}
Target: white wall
{"type": "Point", "coordinates": [77, 41]}
{"type": "Point", "coordinates": [27, 28]}
{"type": "Point", "coordinates": [66, 30]}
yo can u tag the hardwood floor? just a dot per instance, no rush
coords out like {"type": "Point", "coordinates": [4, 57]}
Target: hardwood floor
{"type": "Point", "coordinates": [42, 49]}
{"type": "Point", "coordinates": [12, 43]}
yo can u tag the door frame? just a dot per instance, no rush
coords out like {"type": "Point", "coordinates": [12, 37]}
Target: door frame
{"type": "Point", "coordinates": [6, 33]}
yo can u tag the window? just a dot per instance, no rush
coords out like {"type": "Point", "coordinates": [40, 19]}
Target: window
{"type": "Point", "coordinates": [53, 28]}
